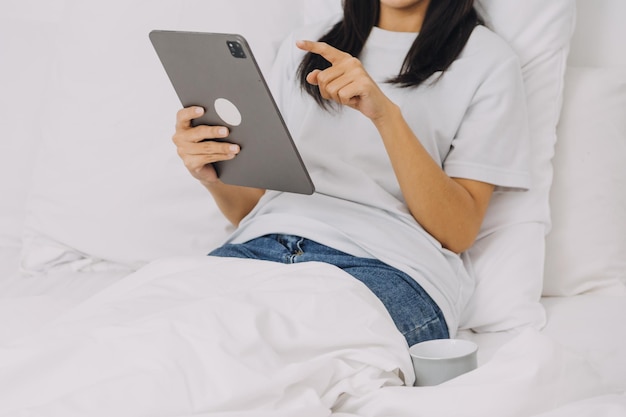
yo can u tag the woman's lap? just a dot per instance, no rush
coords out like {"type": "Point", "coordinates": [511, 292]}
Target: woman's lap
{"type": "Point", "coordinates": [415, 314]}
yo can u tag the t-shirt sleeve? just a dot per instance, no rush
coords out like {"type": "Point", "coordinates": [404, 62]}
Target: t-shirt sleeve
{"type": "Point", "coordinates": [492, 142]}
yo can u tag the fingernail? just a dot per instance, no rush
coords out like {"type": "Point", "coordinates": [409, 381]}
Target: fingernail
{"type": "Point", "coordinates": [223, 131]}
{"type": "Point", "coordinates": [199, 110]}
{"type": "Point", "coordinates": [234, 148]}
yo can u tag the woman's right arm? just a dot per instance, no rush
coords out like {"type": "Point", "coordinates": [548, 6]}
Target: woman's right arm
{"type": "Point", "coordinates": [199, 154]}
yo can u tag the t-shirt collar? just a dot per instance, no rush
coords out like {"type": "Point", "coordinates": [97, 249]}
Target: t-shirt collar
{"type": "Point", "coordinates": [389, 39]}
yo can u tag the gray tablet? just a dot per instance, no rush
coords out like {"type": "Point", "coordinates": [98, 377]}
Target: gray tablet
{"type": "Point", "coordinates": [219, 73]}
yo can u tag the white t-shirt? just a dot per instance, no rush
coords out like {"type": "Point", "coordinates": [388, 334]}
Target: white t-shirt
{"type": "Point", "coordinates": [472, 121]}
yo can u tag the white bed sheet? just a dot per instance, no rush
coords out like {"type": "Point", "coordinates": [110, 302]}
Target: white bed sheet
{"type": "Point", "coordinates": [591, 325]}
{"type": "Point", "coordinates": [50, 320]}
{"type": "Point", "coordinates": [594, 326]}
{"type": "Point", "coordinates": [9, 262]}
{"type": "Point", "coordinates": [29, 302]}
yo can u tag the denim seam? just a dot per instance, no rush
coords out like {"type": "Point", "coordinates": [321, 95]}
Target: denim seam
{"type": "Point", "coordinates": [433, 320]}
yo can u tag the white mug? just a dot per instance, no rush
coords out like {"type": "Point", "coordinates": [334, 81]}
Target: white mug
{"type": "Point", "coordinates": [436, 361]}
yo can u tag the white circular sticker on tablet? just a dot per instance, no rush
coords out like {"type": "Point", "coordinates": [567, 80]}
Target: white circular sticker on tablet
{"type": "Point", "coordinates": [228, 112]}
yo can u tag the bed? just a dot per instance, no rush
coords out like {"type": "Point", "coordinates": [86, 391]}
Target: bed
{"type": "Point", "coordinates": [109, 306]}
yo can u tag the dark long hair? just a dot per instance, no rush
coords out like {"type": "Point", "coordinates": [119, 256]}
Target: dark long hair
{"type": "Point", "coordinates": [446, 28]}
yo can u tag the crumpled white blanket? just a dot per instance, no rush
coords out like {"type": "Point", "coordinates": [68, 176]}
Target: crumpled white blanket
{"type": "Point", "coordinates": [207, 336]}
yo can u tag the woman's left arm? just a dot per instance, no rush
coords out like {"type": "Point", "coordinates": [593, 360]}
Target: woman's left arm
{"type": "Point", "coordinates": [450, 209]}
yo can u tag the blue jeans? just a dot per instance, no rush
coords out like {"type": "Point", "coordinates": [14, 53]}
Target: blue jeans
{"type": "Point", "coordinates": [415, 314]}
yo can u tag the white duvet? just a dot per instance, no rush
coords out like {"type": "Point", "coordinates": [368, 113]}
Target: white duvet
{"type": "Point", "coordinates": [210, 336]}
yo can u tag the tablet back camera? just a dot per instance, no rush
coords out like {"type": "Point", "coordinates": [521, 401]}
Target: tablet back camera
{"type": "Point", "coordinates": [236, 49]}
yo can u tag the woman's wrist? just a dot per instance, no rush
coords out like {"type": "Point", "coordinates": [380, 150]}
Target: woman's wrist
{"type": "Point", "coordinates": [388, 116]}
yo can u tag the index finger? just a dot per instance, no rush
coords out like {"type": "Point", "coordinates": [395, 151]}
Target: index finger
{"type": "Point", "coordinates": [186, 115]}
{"type": "Point", "coordinates": [330, 53]}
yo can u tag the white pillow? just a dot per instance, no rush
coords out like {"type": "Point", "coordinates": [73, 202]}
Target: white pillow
{"type": "Point", "coordinates": [539, 31]}
{"type": "Point", "coordinates": [502, 300]}
{"type": "Point", "coordinates": [109, 186]}
{"type": "Point", "coordinates": [26, 56]}
{"type": "Point", "coordinates": [599, 37]}
{"type": "Point", "coordinates": [586, 249]}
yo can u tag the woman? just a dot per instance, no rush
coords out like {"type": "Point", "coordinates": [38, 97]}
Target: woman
{"type": "Point", "coordinates": [408, 114]}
